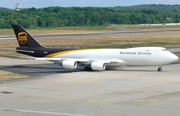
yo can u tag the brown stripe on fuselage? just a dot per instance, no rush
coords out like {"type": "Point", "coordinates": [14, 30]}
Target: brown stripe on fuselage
{"type": "Point", "coordinates": [43, 52]}
{"type": "Point", "coordinates": [66, 52]}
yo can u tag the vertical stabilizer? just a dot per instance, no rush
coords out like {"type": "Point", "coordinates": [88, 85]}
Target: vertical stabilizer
{"type": "Point", "coordinates": [24, 38]}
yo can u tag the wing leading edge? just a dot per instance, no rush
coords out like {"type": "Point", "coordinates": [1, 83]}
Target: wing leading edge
{"type": "Point", "coordinates": [84, 60]}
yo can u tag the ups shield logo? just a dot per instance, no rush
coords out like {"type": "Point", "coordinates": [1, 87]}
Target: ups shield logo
{"type": "Point", "coordinates": [22, 37]}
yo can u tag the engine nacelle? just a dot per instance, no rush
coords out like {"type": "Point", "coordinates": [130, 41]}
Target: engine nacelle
{"type": "Point", "coordinates": [69, 64]}
{"type": "Point", "coordinates": [98, 66]}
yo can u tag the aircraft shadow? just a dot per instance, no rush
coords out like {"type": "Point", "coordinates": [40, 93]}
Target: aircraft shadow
{"type": "Point", "coordinates": [37, 70]}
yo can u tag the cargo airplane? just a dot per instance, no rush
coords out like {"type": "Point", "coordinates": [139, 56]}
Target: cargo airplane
{"type": "Point", "coordinates": [92, 59]}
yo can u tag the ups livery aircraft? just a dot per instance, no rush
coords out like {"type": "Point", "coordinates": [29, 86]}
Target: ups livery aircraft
{"type": "Point", "coordinates": [92, 59]}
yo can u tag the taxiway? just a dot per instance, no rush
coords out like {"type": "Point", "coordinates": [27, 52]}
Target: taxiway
{"type": "Point", "coordinates": [51, 90]}
{"type": "Point", "coordinates": [93, 34]}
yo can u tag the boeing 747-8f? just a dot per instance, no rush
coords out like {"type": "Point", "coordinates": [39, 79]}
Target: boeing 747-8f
{"type": "Point", "coordinates": [92, 59]}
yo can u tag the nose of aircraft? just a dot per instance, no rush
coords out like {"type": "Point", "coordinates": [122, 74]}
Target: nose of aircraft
{"type": "Point", "coordinates": [172, 57]}
{"type": "Point", "coordinates": [175, 57]}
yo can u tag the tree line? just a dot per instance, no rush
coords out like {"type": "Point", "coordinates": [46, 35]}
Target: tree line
{"type": "Point", "coordinates": [79, 16]}
{"type": "Point", "coordinates": [156, 7]}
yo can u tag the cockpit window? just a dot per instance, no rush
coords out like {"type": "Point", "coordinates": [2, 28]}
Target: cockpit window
{"type": "Point", "coordinates": [164, 50]}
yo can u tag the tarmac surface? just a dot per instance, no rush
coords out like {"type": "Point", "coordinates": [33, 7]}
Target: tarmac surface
{"type": "Point", "coordinates": [51, 90]}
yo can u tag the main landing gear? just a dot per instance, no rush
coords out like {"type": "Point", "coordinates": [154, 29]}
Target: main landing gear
{"type": "Point", "coordinates": [159, 69]}
{"type": "Point", "coordinates": [87, 68]}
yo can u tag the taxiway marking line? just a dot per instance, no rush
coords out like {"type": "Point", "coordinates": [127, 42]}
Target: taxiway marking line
{"type": "Point", "coordinates": [100, 100]}
{"type": "Point", "coordinates": [97, 108]}
{"type": "Point", "coordinates": [42, 112]}
{"type": "Point", "coordinates": [143, 101]}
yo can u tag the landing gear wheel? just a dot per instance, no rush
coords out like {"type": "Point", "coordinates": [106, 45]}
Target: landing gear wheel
{"type": "Point", "coordinates": [159, 69]}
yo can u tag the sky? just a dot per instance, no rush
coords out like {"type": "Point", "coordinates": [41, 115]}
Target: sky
{"type": "Point", "coordinates": [81, 3]}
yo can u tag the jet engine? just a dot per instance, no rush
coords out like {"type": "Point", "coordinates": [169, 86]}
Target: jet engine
{"type": "Point", "coordinates": [69, 64]}
{"type": "Point", "coordinates": [98, 66]}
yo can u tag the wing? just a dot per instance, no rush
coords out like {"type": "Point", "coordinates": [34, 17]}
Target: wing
{"type": "Point", "coordinates": [108, 61]}
{"type": "Point", "coordinates": [94, 64]}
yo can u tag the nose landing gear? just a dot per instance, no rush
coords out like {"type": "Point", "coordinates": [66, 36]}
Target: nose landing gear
{"type": "Point", "coordinates": [159, 69]}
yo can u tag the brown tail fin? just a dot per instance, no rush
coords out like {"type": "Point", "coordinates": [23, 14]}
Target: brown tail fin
{"type": "Point", "coordinates": [24, 38]}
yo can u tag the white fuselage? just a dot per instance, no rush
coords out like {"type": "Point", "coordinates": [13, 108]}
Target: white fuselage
{"type": "Point", "coordinates": [131, 56]}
